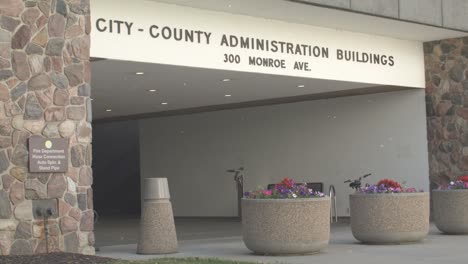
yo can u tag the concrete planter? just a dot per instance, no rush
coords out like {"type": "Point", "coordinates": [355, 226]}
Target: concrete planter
{"type": "Point", "coordinates": [451, 211]}
{"type": "Point", "coordinates": [286, 226]}
{"type": "Point", "coordinates": [390, 218]}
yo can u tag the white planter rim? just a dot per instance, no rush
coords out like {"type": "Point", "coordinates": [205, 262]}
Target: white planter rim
{"type": "Point", "coordinates": [326, 198]}
{"type": "Point", "coordinates": [373, 195]}
{"type": "Point", "coordinates": [453, 190]}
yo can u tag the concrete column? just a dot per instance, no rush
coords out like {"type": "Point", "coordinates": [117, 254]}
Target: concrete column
{"type": "Point", "coordinates": [44, 90]}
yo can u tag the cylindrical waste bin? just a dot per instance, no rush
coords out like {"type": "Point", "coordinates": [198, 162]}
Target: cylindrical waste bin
{"type": "Point", "coordinates": [157, 228]}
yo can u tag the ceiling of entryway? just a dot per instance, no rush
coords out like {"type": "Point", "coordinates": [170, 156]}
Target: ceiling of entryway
{"type": "Point", "coordinates": [323, 17]}
{"type": "Point", "coordinates": [118, 88]}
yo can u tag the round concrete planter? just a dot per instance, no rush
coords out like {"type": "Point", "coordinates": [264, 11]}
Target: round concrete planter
{"type": "Point", "coordinates": [451, 211]}
{"type": "Point", "coordinates": [390, 218]}
{"type": "Point", "coordinates": [286, 226]}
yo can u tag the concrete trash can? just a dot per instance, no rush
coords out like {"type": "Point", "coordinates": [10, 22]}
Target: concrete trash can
{"type": "Point", "coordinates": [157, 228]}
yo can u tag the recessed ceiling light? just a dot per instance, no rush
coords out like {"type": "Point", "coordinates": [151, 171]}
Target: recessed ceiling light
{"type": "Point", "coordinates": [227, 95]}
{"type": "Point", "coordinates": [108, 110]}
{"type": "Point", "coordinates": [226, 80]}
{"type": "Point", "coordinates": [164, 103]}
{"type": "Point", "coordinates": [301, 86]}
{"type": "Point", "coordinates": [152, 90]}
{"type": "Point", "coordinates": [139, 73]}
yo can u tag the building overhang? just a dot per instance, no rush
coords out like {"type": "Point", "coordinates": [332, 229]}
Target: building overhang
{"type": "Point", "coordinates": [303, 12]}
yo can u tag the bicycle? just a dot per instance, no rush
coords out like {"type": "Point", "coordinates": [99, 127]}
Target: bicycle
{"type": "Point", "coordinates": [356, 184]}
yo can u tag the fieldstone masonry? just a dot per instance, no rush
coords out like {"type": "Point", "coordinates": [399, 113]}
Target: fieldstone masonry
{"type": "Point", "coordinates": [44, 90]}
{"type": "Point", "coordinates": [447, 108]}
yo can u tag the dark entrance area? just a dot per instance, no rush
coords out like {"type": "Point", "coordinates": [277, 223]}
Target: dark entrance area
{"type": "Point", "coordinates": [116, 168]}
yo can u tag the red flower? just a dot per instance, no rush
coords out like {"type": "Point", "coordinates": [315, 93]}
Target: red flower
{"type": "Point", "coordinates": [389, 183]}
{"type": "Point", "coordinates": [463, 178]}
{"type": "Point", "coordinates": [286, 182]}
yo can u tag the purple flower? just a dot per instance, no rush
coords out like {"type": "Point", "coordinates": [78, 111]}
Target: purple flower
{"type": "Point", "coordinates": [284, 191]}
{"type": "Point", "coordinates": [384, 189]}
{"type": "Point", "coordinates": [454, 185]}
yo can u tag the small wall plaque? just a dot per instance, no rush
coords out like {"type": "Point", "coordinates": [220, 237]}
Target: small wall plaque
{"type": "Point", "coordinates": [48, 154]}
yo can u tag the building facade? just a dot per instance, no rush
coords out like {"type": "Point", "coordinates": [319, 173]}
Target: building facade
{"type": "Point", "coordinates": [45, 77]}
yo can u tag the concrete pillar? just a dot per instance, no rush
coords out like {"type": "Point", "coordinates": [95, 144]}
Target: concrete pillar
{"type": "Point", "coordinates": [44, 90]}
{"type": "Point", "coordinates": [157, 229]}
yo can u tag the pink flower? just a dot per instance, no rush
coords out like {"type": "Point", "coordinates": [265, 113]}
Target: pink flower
{"type": "Point", "coordinates": [466, 185]}
{"type": "Point", "coordinates": [267, 192]}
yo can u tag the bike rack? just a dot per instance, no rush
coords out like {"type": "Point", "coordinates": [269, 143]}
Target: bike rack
{"type": "Point", "coordinates": [333, 209]}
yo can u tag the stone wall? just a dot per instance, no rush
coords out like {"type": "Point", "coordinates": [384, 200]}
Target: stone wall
{"type": "Point", "coordinates": [447, 108]}
{"type": "Point", "coordinates": [44, 90]}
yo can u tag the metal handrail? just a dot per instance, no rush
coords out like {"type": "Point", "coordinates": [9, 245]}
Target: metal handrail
{"type": "Point", "coordinates": [333, 209]}
{"type": "Point", "coordinates": [239, 179]}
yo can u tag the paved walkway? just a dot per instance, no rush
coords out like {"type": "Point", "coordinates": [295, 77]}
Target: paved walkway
{"type": "Point", "coordinates": [438, 248]}
{"type": "Point", "coordinates": [111, 231]}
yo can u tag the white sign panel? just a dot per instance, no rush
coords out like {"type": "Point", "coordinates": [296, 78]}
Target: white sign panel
{"type": "Point", "coordinates": [169, 34]}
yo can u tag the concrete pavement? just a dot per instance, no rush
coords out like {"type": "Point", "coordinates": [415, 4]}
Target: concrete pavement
{"type": "Point", "coordinates": [437, 248]}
